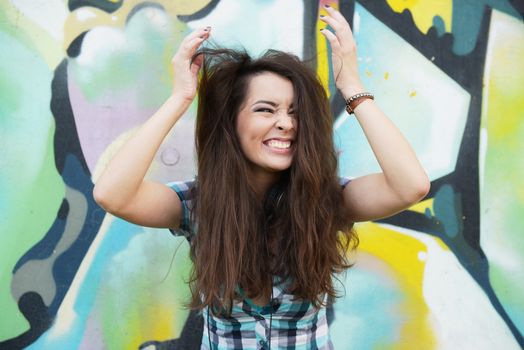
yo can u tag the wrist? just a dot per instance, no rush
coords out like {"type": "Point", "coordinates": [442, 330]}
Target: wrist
{"type": "Point", "coordinates": [176, 106]}
{"type": "Point", "coordinates": [351, 90]}
{"type": "Point", "coordinates": [356, 100]}
{"type": "Point", "coordinates": [178, 100]}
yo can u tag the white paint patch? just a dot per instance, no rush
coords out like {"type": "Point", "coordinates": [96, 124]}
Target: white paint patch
{"type": "Point", "coordinates": [422, 256]}
{"type": "Point", "coordinates": [100, 43]}
{"type": "Point", "coordinates": [461, 314]}
{"type": "Point", "coordinates": [340, 120]}
{"type": "Point", "coordinates": [483, 148]}
{"type": "Point", "coordinates": [256, 25]}
{"type": "Point", "coordinates": [83, 14]}
{"type": "Point", "coordinates": [356, 23]}
{"type": "Point", "coordinates": [50, 15]}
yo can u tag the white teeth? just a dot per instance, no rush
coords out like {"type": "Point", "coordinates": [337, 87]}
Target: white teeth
{"type": "Point", "coordinates": [279, 144]}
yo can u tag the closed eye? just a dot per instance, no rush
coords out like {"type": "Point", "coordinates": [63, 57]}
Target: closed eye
{"type": "Point", "coordinates": [264, 110]}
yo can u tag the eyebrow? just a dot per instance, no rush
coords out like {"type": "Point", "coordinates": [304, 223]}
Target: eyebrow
{"type": "Point", "coordinates": [269, 103]}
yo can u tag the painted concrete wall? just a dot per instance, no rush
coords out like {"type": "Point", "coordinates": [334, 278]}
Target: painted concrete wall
{"type": "Point", "coordinates": [78, 77]}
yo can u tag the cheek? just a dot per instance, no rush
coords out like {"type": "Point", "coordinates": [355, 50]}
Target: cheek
{"type": "Point", "coordinates": [253, 130]}
{"type": "Point", "coordinates": [245, 138]}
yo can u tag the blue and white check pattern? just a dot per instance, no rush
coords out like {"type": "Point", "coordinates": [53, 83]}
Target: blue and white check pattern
{"type": "Point", "coordinates": [295, 323]}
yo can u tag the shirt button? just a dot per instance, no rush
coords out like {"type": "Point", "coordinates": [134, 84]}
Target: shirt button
{"type": "Point", "coordinates": [262, 343]}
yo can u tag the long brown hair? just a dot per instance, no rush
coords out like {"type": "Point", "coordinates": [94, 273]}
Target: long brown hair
{"type": "Point", "coordinates": [302, 214]}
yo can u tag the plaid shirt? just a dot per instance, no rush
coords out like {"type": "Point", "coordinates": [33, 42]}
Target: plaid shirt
{"type": "Point", "coordinates": [295, 324]}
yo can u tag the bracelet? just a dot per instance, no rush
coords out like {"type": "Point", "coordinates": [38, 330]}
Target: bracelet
{"type": "Point", "coordinates": [355, 100]}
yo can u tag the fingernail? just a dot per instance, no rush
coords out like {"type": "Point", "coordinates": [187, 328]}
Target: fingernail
{"type": "Point", "coordinates": [327, 6]}
{"type": "Point", "coordinates": [321, 29]}
{"type": "Point", "coordinates": [322, 16]}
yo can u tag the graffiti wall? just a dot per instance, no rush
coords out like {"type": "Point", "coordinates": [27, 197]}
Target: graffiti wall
{"type": "Point", "coordinates": [78, 77]}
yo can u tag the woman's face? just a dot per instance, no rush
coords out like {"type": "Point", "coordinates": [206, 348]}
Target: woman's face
{"type": "Point", "coordinates": [266, 124]}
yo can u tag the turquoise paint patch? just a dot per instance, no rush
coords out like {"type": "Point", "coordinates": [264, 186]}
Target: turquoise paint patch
{"type": "Point", "coordinates": [367, 317]}
{"type": "Point", "coordinates": [446, 205]}
{"type": "Point", "coordinates": [24, 111]}
{"type": "Point", "coordinates": [439, 25]}
{"type": "Point", "coordinates": [467, 18]}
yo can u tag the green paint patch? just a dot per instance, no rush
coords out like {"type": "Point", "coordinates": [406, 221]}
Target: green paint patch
{"type": "Point", "coordinates": [30, 186]}
{"type": "Point", "coordinates": [502, 195]}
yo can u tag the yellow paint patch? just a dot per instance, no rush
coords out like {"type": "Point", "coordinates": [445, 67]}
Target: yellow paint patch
{"type": "Point", "coordinates": [423, 11]}
{"type": "Point", "coordinates": [323, 60]}
{"type": "Point", "coordinates": [403, 254]}
{"type": "Point", "coordinates": [156, 322]}
{"type": "Point", "coordinates": [412, 93]}
{"type": "Point", "coordinates": [386, 76]}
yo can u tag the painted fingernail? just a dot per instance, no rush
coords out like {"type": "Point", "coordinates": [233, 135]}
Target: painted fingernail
{"type": "Point", "coordinates": [321, 29]}
{"type": "Point", "coordinates": [322, 16]}
{"type": "Point", "coordinates": [327, 6]}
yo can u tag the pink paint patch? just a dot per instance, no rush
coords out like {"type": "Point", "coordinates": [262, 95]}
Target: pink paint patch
{"type": "Point", "coordinates": [93, 337]}
{"type": "Point", "coordinates": [99, 123]}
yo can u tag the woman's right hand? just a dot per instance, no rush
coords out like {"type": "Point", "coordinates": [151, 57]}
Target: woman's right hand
{"type": "Point", "coordinates": [186, 73]}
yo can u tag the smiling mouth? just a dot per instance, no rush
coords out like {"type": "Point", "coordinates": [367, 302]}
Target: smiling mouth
{"type": "Point", "coordinates": [278, 144]}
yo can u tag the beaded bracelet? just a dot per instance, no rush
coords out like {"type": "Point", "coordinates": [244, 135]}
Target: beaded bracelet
{"type": "Point", "coordinates": [355, 100]}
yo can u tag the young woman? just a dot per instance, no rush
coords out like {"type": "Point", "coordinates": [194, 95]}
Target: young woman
{"type": "Point", "coordinates": [274, 220]}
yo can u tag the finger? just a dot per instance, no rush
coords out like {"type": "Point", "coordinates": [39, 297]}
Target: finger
{"type": "Point", "coordinates": [196, 33]}
{"type": "Point", "coordinates": [197, 63]}
{"type": "Point", "coordinates": [333, 23]}
{"type": "Point", "coordinates": [188, 47]}
{"type": "Point", "coordinates": [340, 26]}
{"type": "Point", "coordinates": [193, 45]}
{"type": "Point", "coordinates": [336, 15]}
{"type": "Point", "coordinates": [333, 40]}
{"type": "Point", "coordinates": [342, 31]}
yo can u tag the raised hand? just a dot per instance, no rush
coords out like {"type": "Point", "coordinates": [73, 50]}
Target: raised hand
{"type": "Point", "coordinates": [186, 73]}
{"type": "Point", "coordinates": [344, 52]}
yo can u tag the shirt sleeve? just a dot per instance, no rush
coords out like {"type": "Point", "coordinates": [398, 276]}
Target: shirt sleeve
{"type": "Point", "coordinates": [184, 191]}
{"type": "Point", "coordinates": [344, 180]}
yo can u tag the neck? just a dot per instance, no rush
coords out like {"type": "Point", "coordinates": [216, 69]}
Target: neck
{"type": "Point", "coordinates": [262, 182]}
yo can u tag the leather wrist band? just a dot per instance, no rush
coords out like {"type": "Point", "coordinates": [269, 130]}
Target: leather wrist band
{"type": "Point", "coordinates": [355, 100]}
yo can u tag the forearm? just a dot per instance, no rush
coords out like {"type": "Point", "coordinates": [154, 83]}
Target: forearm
{"type": "Point", "coordinates": [124, 174]}
{"type": "Point", "coordinates": [402, 170]}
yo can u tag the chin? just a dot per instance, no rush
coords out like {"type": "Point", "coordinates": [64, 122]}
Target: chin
{"type": "Point", "coordinates": [279, 167]}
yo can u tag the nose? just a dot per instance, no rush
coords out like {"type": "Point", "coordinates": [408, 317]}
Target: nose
{"type": "Point", "coordinates": [284, 122]}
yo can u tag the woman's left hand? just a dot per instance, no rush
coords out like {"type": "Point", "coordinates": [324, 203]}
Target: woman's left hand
{"type": "Point", "coordinates": [344, 53]}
